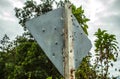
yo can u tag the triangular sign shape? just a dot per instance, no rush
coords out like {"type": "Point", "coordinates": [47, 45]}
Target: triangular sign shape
{"type": "Point", "coordinates": [47, 29]}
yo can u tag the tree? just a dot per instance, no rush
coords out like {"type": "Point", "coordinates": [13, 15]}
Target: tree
{"type": "Point", "coordinates": [85, 70]}
{"type": "Point", "coordinates": [5, 60]}
{"type": "Point", "coordinates": [24, 59]}
{"type": "Point", "coordinates": [106, 51]}
{"type": "Point", "coordinates": [5, 44]}
{"type": "Point", "coordinates": [31, 9]}
{"type": "Point", "coordinates": [81, 18]}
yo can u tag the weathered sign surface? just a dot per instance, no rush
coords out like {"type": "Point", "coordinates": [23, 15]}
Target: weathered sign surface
{"type": "Point", "coordinates": [48, 31]}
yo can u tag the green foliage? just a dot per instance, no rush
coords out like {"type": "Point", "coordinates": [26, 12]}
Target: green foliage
{"type": "Point", "coordinates": [106, 42]}
{"type": "Point", "coordinates": [81, 18]}
{"type": "Point", "coordinates": [49, 78]}
{"type": "Point", "coordinates": [86, 71]}
{"type": "Point", "coordinates": [31, 10]}
{"type": "Point", "coordinates": [24, 59]}
{"type": "Point", "coordinates": [2, 67]}
{"type": "Point", "coordinates": [106, 51]}
{"type": "Point", "coordinates": [5, 44]}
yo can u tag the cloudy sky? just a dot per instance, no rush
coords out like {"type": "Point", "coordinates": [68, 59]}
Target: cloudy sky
{"type": "Point", "coordinates": [102, 13]}
{"type": "Point", "coordinates": [8, 23]}
{"type": "Point", "coordinates": [105, 15]}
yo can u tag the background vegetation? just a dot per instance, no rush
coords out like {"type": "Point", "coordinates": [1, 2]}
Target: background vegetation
{"type": "Point", "coordinates": [22, 58]}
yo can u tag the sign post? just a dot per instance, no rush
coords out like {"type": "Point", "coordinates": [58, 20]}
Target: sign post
{"type": "Point", "coordinates": [61, 38]}
{"type": "Point", "coordinates": [69, 65]}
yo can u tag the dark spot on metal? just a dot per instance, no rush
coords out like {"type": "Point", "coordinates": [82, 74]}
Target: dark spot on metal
{"type": "Point", "coordinates": [77, 26]}
{"type": "Point", "coordinates": [76, 60]}
{"type": "Point", "coordinates": [73, 23]}
{"type": "Point", "coordinates": [62, 34]}
{"type": "Point", "coordinates": [63, 59]}
{"type": "Point", "coordinates": [71, 16]}
{"type": "Point", "coordinates": [43, 30]}
{"type": "Point", "coordinates": [56, 43]}
{"type": "Point", "coordinates": [81, 33]}
{"type": "Point", "coordinates": [55, 28]}
{"type": "Point", "coordinates": [70, 51]}
{"type": "Point", "coordinates": [73, 39]}
{"type": "Point", "coordinates": [72, 19]}
{"type": "Point", "coordinates": [53, 54]}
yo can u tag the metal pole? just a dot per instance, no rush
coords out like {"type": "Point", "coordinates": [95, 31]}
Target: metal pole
{"type": "Point", "coordinates": [69, 67]}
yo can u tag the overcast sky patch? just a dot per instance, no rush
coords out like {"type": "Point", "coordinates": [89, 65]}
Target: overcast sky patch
{"type": "Point", "coordinates": [5, 3]}
{"type": "Point", "coordinates": [8, 22]}
{"type": "Point", "coordinates": [102, 14]}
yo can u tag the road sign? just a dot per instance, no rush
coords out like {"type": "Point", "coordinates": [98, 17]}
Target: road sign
{"type": "Point", "coordinates": [48, 30]}
{"type": "Point", "coordinates": [82, 44]}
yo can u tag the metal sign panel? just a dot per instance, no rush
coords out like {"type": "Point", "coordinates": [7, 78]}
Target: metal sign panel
{"type": "Point", "coordinates": [47, 29]}
{"type": "Point", "coordinates": [82, 44]}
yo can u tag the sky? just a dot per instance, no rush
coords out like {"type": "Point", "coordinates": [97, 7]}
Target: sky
{"type": "Point", "coordinates": [102, 14]}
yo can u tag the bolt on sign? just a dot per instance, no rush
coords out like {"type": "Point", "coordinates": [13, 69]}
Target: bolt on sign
{"type": "Point", "coordinates": [48, 31]}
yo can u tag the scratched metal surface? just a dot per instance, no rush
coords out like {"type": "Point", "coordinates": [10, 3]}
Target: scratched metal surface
{"type": "Point", "coordinates": [82, 44]}
{"type": "Point", "coordinates": [47, 30]}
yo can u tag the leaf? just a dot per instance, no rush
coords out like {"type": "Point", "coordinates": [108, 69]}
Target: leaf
{"type": "Point", "coordinates": [114, 48]}
{"type": "Point", "coordinates": [86, 20]}
{"type": "Point", "coordinates": [85, 30]}
{"type": "Point", "coordinates": [49, 78]}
